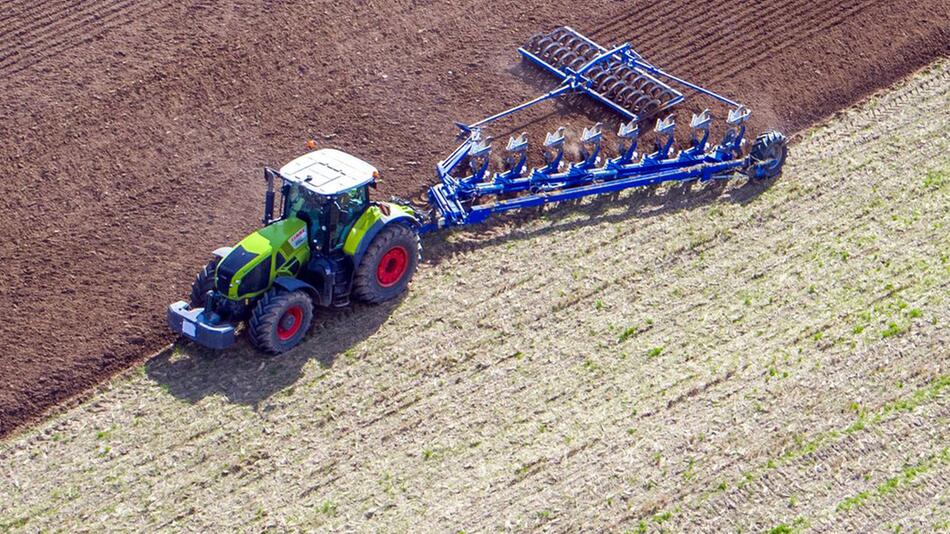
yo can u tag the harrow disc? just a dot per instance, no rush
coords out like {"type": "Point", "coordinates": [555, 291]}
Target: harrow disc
{"type": "Point", "coordinates": [615, 79]}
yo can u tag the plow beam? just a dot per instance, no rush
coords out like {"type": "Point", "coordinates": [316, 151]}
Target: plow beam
{"type": "Point", "coordinates": [472, 199]}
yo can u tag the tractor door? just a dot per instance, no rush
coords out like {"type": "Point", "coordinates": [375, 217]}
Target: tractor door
{"type": "Point", "coordinates": [349, 205]}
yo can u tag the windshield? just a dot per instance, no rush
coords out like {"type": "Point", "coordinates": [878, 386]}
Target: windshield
{"type": "Point", "coordinates": [293, 198]}
{"type": "Point", "coordinates": [307, 206]}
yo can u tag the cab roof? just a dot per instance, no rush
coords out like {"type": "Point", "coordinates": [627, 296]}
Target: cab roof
{"type": "Point", "coordinates": [328, 171]}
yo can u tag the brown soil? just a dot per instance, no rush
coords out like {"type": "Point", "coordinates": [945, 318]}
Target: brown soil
{"type": "Point", "coordinates": [134, 131]}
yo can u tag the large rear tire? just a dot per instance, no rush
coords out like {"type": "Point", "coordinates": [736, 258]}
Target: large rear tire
{"type": "Point", "coordinates": [388, 265]}
{"type": "Point", "coordinates": [203, 283]}
{"type": "Point", "coordinates": [280, 320]}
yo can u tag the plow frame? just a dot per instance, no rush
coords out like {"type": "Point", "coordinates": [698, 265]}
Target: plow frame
{"type": "Point", "coordinates": [454, 198]}
{"type": "Point", "coordinates": [461, 196]}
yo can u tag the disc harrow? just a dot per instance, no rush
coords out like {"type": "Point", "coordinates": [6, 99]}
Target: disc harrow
{"type": "Point", "coordinates": [564, 50]}
{"type": "Point", "coordinates": [619, 78]}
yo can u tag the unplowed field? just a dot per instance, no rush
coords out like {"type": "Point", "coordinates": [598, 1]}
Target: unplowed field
{"type": "Point", "coordinates": [713, 358]}
{"type": "Point", "coordinates": [133, 131]}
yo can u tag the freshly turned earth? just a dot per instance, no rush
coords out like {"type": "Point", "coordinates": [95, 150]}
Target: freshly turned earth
{"type": "Point", "coordinates": [134, 131]}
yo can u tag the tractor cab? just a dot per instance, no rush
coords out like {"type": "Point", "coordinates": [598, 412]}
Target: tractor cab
{"type": "Point", "coordinates": [328, 189]}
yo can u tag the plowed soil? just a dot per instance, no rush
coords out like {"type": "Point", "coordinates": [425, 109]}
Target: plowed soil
{"type": "Point", "coordinates": [134, 130]}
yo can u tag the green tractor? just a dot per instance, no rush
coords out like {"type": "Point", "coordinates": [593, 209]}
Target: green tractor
{"type": "Point", "coordinates": [330, 242]}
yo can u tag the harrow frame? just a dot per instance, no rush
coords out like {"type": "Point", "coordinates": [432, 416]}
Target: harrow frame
{"type": "Point", "coordinates": [578, 81]}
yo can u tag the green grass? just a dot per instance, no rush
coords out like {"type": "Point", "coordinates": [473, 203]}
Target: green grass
{"type": "Point", "coordinates": [628, 333]}
{"type": "Point", "coordinates": [797, 525]}
{"type": "Point", "coordinates": [937, 179]}
{"type": "Point", "coordinates": [328, 508]}
{"type": "Point", "coordinates": [904, 478]}
{"type": "Point", "coordinates": [894, 329]}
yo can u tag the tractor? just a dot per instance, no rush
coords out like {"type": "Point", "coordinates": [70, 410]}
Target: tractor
{"type": "Point", "coordinates": [329, 242]}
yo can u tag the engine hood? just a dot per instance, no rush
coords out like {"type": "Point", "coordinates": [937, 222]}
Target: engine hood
{"type": "Point", "coordinates": [247, 269]}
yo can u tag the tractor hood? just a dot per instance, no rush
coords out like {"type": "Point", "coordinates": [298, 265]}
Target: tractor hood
{"type": "Point", "coordinates": [247, 270]}
{"type": "Point", "coordinates": [291, 232]}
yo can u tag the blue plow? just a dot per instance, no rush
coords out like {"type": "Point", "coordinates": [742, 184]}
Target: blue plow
{"type": "Point", "coordinates": [620, 79]}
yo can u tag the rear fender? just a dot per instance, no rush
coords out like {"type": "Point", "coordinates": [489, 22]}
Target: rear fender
{"type": "Point", "coordinates": [371, 223]}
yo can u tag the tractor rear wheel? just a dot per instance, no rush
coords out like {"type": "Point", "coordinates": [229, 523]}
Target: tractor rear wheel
{"type": "Point", "coordinates": [203, 283]}
{"type": "Point", "coordinates": [388, 265]}
{"type": "Point", "coordinates": [280, 320]}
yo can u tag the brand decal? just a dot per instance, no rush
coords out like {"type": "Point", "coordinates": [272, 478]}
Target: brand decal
{"type": "Point", "coordinates": [299, 238]}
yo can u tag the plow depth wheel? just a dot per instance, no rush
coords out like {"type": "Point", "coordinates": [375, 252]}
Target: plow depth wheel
{"type": "Point", "coordinates": [768, 155]}
{"type": "Point", "coordinates": [280, 320]}
{"type": "Point", "coordinates": [388, 265]}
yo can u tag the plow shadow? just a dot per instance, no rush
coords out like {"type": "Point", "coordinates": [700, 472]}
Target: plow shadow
{"type": "Point", "coordinates": [639, 204]}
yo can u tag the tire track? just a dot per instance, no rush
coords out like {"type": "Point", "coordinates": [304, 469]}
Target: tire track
{"type": "Point", "coordinates": [44, 23]}
{"type": "Point", "coordinates": [794, 20]}
{"type": "Point", "coordinates": [647, 19]}
{"type": "Point", "coordinates": [650, 40]}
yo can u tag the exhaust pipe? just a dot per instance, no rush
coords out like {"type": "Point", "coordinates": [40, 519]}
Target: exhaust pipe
{"type": "Point", "coordinates": [268, 196]}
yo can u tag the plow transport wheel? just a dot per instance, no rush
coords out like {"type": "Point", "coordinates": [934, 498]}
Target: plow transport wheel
{"type": "Point", "coordinates": [768, 154]}
{"type": "Point", "coordinates": [388, 265]}
{"type": "Point", "coordinates": [280, 320]}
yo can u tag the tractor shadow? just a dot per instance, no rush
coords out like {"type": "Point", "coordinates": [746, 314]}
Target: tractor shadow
{"type": "Point", "coordinates": [245, 376]}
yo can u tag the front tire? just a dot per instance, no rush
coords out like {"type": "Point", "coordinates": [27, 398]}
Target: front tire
{"type": "Point", "coordinates": [388, 265]}
{"type": "Point", "coordinates": [280, 320]}
{"type": "Point", "coordinates": [203, 283]}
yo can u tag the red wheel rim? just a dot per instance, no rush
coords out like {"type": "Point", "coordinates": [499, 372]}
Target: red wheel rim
{"type": "Point", "coordinates": [289, 323]}
{"type": "Point", "coordinates": [392, 266]}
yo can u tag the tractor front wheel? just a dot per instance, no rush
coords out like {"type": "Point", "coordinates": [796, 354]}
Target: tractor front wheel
{"type": "Point", "coordinates": [203, 283]}
{"type": "Point", "coordinates": [388, 265]}
{"type": "Point", "coordinates": [280, 320]}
